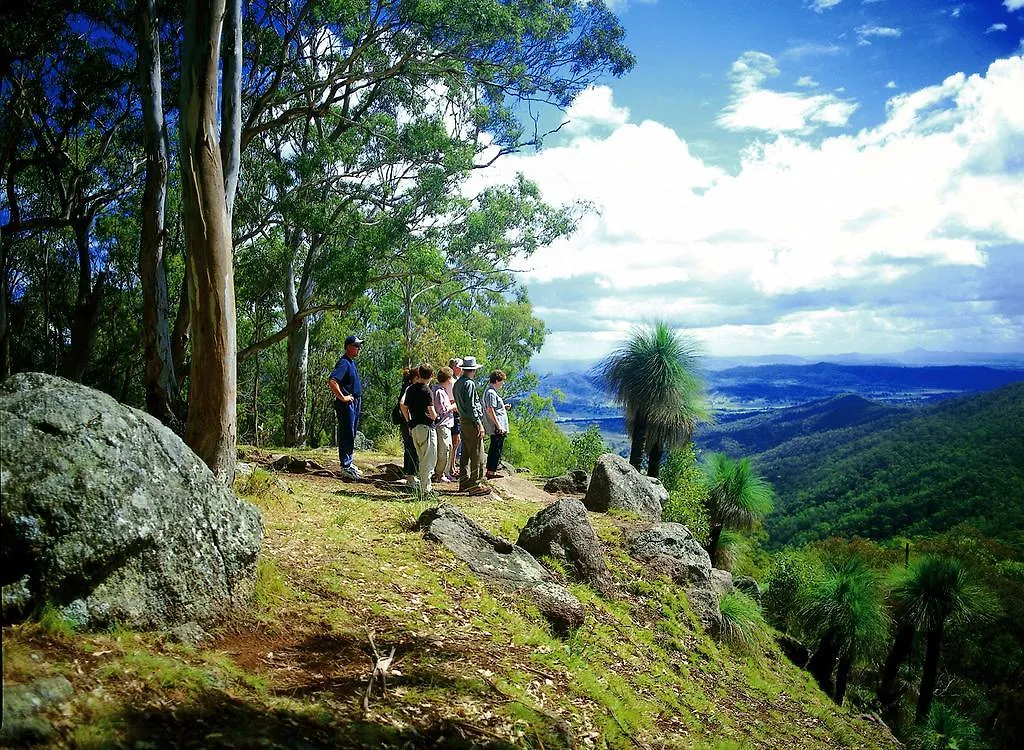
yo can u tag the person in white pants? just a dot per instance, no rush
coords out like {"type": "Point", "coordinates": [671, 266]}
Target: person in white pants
{"type": "Point", "coordinates": [418, 410]}
{"type": "Point", "coordinates": [445, 409]}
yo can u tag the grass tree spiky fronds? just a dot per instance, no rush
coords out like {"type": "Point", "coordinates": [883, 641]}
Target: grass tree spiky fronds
{"type": "Point", "coordinates": [845, 611]}
{"type": "Point", "coordinates": [743, 625]}
{"type": "Point", "coordinates": [655, 377]}
{"type": "Point", "coordinates": [737, 496]}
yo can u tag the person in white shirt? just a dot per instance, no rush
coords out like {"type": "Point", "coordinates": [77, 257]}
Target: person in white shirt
{"type": "Point", "coordinates": [445, 408]}
{"type": "Point", "coordinates": [495, 422]}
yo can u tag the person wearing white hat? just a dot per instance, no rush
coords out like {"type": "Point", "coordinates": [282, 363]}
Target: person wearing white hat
{"type": "Point", "coordinates": [471, 420]}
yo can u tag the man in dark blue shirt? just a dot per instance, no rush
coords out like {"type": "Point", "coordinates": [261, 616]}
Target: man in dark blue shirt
{"type": "Point", "coordinates": [348, 395]}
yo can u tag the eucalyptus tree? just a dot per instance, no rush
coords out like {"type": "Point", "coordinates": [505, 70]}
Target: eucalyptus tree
{"type": "Point", "coordinates": [844, 611]}
{"type": "Point", "coordinates": [373, 115]}
{"type": "Point", "coordinates": [737, 498]}
{"type": "Point", "coordinates": [68, 158]}
{"type": "Point", "coordinates": [655, 377]}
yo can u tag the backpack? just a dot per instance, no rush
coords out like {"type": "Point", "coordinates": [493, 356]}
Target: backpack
{"type": "Point", "coordinates": [396, 414]}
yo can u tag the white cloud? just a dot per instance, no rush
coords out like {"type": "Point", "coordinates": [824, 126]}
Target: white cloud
{"type": "Point", "coordinates": [812, 49]}
{"type": "Point", "coordinates": [593, 108]}
{"type": "Point", "coordinates": [819, 6]}
{"type": "Point", "coordinates": [759, 109]}
{"type": "Point", "coordinates": [996, 27]}
{"type": "Point", "coordinates": [891, 85]}
{"type": "Point", "coordinates": [806, 82]}
{"type": "Point", "coordinates": [866, 32]}
{"type": "Point", "coordinates": [1012, 5]}
{"type": "Point", "coordinates": [908, 233]}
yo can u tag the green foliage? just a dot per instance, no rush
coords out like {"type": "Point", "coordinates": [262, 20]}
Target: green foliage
{"type": "Point", "coordinates": [534, 440]}
{"type": "Point", "coordinates": [789, 579]}
{"type": "Point", "coordinates": [54, 622]}
{"type": "Point", "coordinates": [585, 448]}
{"type": "Point", "coordinates": [846, 604]}
{"type": "Point", "coordinates": [945, 729]}
{"type": "Point", "coordinates": [934, 591]}
{"type": "Point", "coordinates": [743, 624]}
{"type": "Point", "coordinates": [688, 509]}
{"type": "Point", "coordinates": [681, 471]}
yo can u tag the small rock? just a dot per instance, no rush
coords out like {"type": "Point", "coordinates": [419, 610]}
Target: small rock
{"type": "Point", "coordinates": [188, 633]}
{"type": "Point", "coordinates": [748, 586]}
{"type": "Point", "coordinates": [563, 531]}
{"type": "Point", "coordinates": [573, 483]}
{"type": "Point", "coordinates": [616, 485]}
{"type": "Point", "coordinates": [671, 549]}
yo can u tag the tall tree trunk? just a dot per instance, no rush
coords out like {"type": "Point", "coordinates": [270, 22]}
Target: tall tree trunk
{"type": "Point", "coordinates": [161, 383]}
{"type": "Point", "coordinates": [212, 421]}
{"type": "Point", "coordinates": [84, 324]}
{"type": "Point", "coordinates": [930, 672]}
{"type": "Point", "coordinates": [888, 696]}
{"type": "Point", "coordinates": [823, 663]}
{"type": "Point", "coordinates": [636, 452]}
{"type": "Point", "coordinates": [298, 360]}
{"type": "Point", "coordinates": [231, 104]}
{"type": "Point", "coordinates": [5, 337]}
{"type": "Point", "coordinates": [654, 457]}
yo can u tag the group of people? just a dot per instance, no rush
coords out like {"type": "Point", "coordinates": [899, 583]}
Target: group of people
{"type": "Point", "coordinates": [443, 422]}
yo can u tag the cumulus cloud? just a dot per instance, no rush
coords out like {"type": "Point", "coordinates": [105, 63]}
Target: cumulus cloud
{"type": "Point", "coordinates": [806, 82]}
{"type": "Point", "coordinates": [593, 109]}
{"type": "Point", "coordinates": [818, 6]}
{"type": "Point", "coordinates": [908, 233]}
{"type": "Point", "coordinates": [890, 85]}
{"type": "Point", "coordinates": [755, 108]}
{"type": "Point", "coordinates": [865, 33]}
{"type": "Point", "coordinates": [1012, 5]}
{"type": "Point", "coordinates": [996, 27]}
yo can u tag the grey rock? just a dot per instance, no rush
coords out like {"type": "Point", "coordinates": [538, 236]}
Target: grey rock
{"type": "Point", "coordinates": [188, 633]}
{"type": "Point", "coordinates": [616, 485]}
{"type": "Point", "coordinates": [22, 723]}
{"type": "Point", "coordinates": [704, 604]}
{"type": "Point", "coordinates": [748, 586]}
{"type": "Point", "coordinates": [574, 483]}
{"type": "Point", "coordinates": [361, 443]}
{"type": "Point", "coordinates": [670, 548]}
{"type": "Point", "coordinates": [721, 582]}
{"type": "Point", "coordinates": [563, 531]}
{"type": "Point", "coordinates": [106, 506]}
{"type": "Point", "coordinates": [508, 468]}
{"type": "Point", "coordinates": [501, 563]}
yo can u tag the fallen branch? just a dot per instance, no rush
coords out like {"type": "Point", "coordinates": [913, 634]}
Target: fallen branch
{"type": "Point", "coordinates": [381, 666]}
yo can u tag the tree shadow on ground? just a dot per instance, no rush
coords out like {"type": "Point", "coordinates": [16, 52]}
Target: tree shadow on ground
{"type": "Point", "coordinates": [214, 719]}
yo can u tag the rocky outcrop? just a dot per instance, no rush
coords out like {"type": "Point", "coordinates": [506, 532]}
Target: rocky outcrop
{"type": "Point", "coordinates": [721, 582]}
{"type": "Point", "coordinates": [573, 483]}
{"type": "Point", "coordinates": [501, 563]}
{"type": "Point", "coordinates": [616, 485]}
{"type": "Point", "coordinates": [563, 531]}
{"type": "Point", "coordinates": [108, 515]}
{"type": "Point", "coordinates": [670, 548]}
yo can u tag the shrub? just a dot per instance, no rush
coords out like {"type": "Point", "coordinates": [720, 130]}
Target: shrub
{"type": "Point", "coordinates": [789, 577]}
{"type": "Point", "coordinates": [585, 448]}
{"type": "Point", "coordinates": [389, 442]}
{"type": "Point", "coordinates": [688, 509]}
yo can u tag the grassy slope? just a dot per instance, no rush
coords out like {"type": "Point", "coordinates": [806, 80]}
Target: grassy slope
{"type": "Point", "coordinates": [474, 668]}
{"type": "Point", "coordinates": [960, 460]}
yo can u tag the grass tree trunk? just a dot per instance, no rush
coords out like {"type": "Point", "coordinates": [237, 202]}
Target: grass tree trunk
{"type": "Point", "coordinates": [888, 695]}
{"type": "Point", "coordinates": [161, 383]}
{"type": "Point", "coordinates": [930, 672]}
{"type": "Point", "coordinates": [654, 457]}
{"type": "Point", "coordinates": [843, 677]}
{"type": "Point", "coordinates": [823, 663]}
{"type": "Point", "coordinates": [212, 421]}
{"type": "Point", "coordinates": [636, 453]}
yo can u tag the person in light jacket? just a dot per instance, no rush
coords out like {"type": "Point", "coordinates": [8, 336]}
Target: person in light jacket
{"type": "Point", "coordinates": [495, 422]}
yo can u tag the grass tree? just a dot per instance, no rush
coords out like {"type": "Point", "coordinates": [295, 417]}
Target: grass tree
{"type": "Point", "coordinates": [932, 593]}
{"type": "Point", "coordinates": [737, 497]}
{"type": "Point", "coordinates": [845, 611]}
{"type": "Point", "coordinates": [655, 377]}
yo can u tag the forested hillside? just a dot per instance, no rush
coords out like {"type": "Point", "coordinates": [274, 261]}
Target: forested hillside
{"type": "Point", "coordinates": [958, 461]}
{"type": "Point", "coordinates": [760, 433]}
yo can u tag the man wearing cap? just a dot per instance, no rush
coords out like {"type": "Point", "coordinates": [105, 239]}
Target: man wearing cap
{"type": "Point", "coordinates": [471, 420]}
{"type": "Point", "coordinates": [348, 394]}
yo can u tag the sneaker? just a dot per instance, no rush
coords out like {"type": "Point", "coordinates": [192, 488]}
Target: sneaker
{"type": "Point", "coordinates": [350, 472]}
{"type": "Point", "coordinates": [495, 475]}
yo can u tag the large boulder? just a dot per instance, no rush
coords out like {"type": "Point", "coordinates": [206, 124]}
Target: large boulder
{"type": "Point", "coordinates": [563, 531]}
{"type": "Point", "coordinates": [109, 515]}
{"type": "Point", "coordinates": [501, 563]}
{"type": "Point", "coordinates": [670, 548]}
{"type": "Point", "coordinates": [616, 485]}
{"type": "Point", "coordinates": [574, 483]}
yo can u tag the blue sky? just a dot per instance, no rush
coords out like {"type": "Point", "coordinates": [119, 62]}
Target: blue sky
{"type": "Point", "coordinates": [794, 177]}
